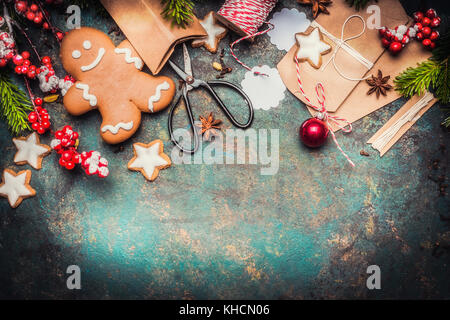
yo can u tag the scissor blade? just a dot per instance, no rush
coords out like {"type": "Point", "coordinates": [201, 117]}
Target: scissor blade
{"type": "Point", "coordinates": [187, 61]}
{"type": "Point", "coordinates": [183, 75]}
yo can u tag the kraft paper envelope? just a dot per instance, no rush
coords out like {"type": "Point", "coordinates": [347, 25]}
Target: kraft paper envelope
{"type": "Point", "coordinates": [405, 127]}
{"type": "Point", "coordinates": [153, 37]}
{"type": "Point", "coordinates": [368, 45]}
{"type": "Point", "coordinates": [358, 104]}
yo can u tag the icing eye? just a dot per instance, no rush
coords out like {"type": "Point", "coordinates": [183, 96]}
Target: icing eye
{"type": "Point", "coordinates": [87, 45]}
{"type": "Point", "coordinates": [76, 54]}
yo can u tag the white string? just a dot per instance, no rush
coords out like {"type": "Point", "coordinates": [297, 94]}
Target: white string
{"type": "Point", "coordinates": [411, 115]}
{"type": "Point", "coordinates": [342, 43]}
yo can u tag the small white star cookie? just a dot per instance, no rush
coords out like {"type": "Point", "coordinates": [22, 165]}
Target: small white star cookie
{"type": "Point", "coordinates": [215, 33]}
{"type": "Point", "coordinates": [149, 159]}
{"type": "Point", "coordinates": [16, 187]}
{"type": "Point", "coordinates": [30, 151]}
{"type": "Point", "coordinates": [311, 47]}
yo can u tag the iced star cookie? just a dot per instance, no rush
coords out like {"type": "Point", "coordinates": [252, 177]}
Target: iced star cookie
{"type": "Point", "coordinates": [109, 79]}
{"type": "Point", "coordinates": [16, 187]}
{"type": "Point", "coordinates": [215, 33]}
{"type": "Point", "coordinates": [149, 159]}
{"type": "Point", "coordinates": [30, 151]}
{"type": "Point", "coordinates": [311, 47]}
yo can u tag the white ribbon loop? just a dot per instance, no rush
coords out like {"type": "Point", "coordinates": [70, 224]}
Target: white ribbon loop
{"type": "Point", "coordinates": [342, 43]}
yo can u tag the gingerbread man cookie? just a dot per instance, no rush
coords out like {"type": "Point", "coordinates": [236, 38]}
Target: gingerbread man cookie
{"type": "Point", "coordinates": [109, 79]}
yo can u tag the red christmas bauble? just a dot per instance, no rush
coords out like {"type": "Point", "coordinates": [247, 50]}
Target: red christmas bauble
{"type": "Point", "coordinates": [313, 132]}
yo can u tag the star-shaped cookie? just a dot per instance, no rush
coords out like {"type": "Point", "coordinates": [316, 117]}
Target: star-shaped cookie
{"type": "Point", "coordinates": [149, 159]}
{"type": "Point", "coordinates": [30, 151]}
{"type": "Point", "coordinates": [16, 187]}
{"type": "Point", "coordinates": [215, 33]}
{"type": "Point", "coordinates": [311, 47]}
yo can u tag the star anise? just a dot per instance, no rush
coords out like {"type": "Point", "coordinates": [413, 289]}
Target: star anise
{"type": "Point", "coordinates": [317, 6]}
{"type": "Point", "coordinates": [379, 84]}
{"type": "Point", "coordinates": [208, 126]}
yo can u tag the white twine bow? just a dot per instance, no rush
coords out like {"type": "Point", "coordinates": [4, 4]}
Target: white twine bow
{"type": "Point", "coordinates": [342, 43]}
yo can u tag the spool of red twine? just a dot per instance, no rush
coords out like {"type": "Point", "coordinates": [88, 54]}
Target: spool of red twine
{"type": "Point", "coordinates": [245, 17]}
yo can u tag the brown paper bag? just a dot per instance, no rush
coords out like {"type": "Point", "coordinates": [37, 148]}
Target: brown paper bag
{"type": "Point", "coordinates": [368, 45]}
{"type": "Point", "coordinates": [153, 37]}
{"type": "Point", "coordinates": [407, 106]}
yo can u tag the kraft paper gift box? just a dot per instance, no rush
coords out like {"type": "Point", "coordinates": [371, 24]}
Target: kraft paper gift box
{"type": "Point", "coordinates": [153, 37]}
{"type": "Point", "coordinates": [356, 103]}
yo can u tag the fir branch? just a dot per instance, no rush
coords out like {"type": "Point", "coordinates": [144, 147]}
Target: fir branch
{"type": "Point", "coordinates": [14, 106]}
{"type": "Point", "coordinates": [180, 12]}
{"type": "Point", "coordinates": [358, 4]}
{"type": "Point", "coordinates": [416, 80]}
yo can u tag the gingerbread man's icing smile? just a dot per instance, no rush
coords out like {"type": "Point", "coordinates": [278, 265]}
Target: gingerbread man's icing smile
{"type": "Point", "coordinates": [109, 79]}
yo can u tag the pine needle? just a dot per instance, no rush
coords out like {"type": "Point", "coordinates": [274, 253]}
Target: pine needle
{"type": "Point", "coordinates": [14, 106]}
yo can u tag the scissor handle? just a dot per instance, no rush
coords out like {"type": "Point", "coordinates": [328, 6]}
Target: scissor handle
{"type": "Point", "coordinates": [185, 97]}
{"type": "Point", "coordinates": [224, 108]}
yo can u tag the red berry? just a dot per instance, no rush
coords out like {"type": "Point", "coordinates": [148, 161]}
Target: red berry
{"type": "Point", "coordinates": [9, 56]}
{"type": "Point", "coordinates": [45, 117]}
{"type": "Point", "coordinates": [3, 63]}
{"type": "Point", "coordinates": [385, 42]}
{"type": "Point", "coordinates": [18, 70]}
{"type": "Point", "coordinates": [435, 22]}
{"type": "Point", "coordinates": [418, 27]}
{"type": "Point", "coordinates": [419, 36]}
{"type": "Point", "coordinates": [62, 163]}
{"type": "Point", "coordinates": [21, 6]}
{"type": "Point", "coordinates": [434, 35]}
{"type": "Point", "coordinates": [59, 135]}
{"type": "Point", "coordinates": [426, 42]}
{"type": "Point", "coordinates": [37, 20]}
{"type": "Point", "coordinates": [34, 7]}
{"type": "Point", "coordinates": [432, 45]}
{"type": "Point", "coordinates": [41, 129]}
{"type": "Point", "coordinates": [67, 128]}
{"type": "Point", "coordinates": [31, 74]}
{"type": "Point", "coordinates": [38, 101]}
{"type": "Point", "coordinates": [431, 13]}
{"type": "Point", "coordinates": [26, 63]}
{"type": "Point", "coordinates": [382, 31]}
{"type": "Point", "coordinates": [46, 124]}
{"type": "Point", "coordinates": [75, 136]}
{"type": "Point", "coordinates": [32, 117]}
{"type": "Point", "coordinates": [46, 60]}
{"type": "Point", "coordinates": [35, 126]}
{"type": "Point", "coordinates": [76, 158]}
{"type": "Point", "coordinates": [426, 32]}
{"type": "Point", "coordinates": [30, 15]}
{"type": "Point", "coordinates": [426, 21]}
{"type": "Point", "coordinates": [25, 69]}
{"type": "Point", "coordinates": [45, 26]}
{"type": "Point", "coordinates": [395, 47]}
{"type": "Point", "coordinates": [418, 16]}
{"type": "Point", "coordinates": [70, 165]}
{"type": "Point", "coordinates": [60, 35]}
{"type": "Point", "coordinates": [67, 156]}
{"type": "Point", "coordinates": [18, 60]}
{"type": "Point", "coordinates": [26, 55]}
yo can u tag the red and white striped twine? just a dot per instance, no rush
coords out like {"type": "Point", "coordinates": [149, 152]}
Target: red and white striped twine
{"type": "Point", "coordinates": [249, 16]}
{"type": "Point", "coordinates": [323, 113]}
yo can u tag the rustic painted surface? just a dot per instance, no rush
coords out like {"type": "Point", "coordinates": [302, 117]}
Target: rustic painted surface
{"type": "Point", "coordinates": [226, 231]}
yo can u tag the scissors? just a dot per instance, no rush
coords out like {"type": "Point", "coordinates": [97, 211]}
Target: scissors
{"type": "Point", "coordinates": [190, 83]}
